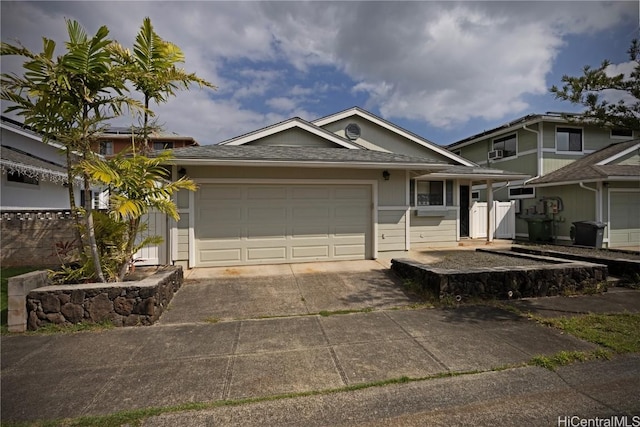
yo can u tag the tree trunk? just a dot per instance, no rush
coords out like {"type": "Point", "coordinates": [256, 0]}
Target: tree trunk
{"type": "Point", "coordinates": [72, 205]}
{"type": "Point", "coordinates": [134, 225]}
{"type": "Point", "coordinates": [91, 232]}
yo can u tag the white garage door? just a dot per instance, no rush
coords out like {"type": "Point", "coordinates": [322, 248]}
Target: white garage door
{"type": "Point", "coordinates": [261, 224]}
{"type": "Point", "coordinates": [625, 220]}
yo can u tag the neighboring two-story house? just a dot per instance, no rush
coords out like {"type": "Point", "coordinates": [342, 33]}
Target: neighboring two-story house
{"type": "Point", "coordinates": [541, 144]}
{"type": "Point", "coordinates": [115, 139]}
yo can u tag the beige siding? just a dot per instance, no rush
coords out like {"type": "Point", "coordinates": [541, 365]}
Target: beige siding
{"type": "Point", "coordinates": [391, 230]}
{"type": "Point", "coordinates": [631, 159]}
{"type": "Point", "coordinates": [294, 138]}
{"type": "Point", "coordinates": [376, 137]}
{"type": "Point", "coordinates": [433, 231]}
{"type": "Point", "coordinates": [183, 237]}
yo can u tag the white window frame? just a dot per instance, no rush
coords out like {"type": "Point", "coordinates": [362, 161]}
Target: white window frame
{"type": "Point", "coordinates": [475, 195]}
{"type": "Point", "coordinates": [521, 196]}
{"type": "Point", "coordinates": [612, 136]}
{"type": "Point", "coordinates": [444, 194]}
{"type": "Point", "coordinates": [569, 151]}
{"type": "Point", "coordinates": [503, 138]}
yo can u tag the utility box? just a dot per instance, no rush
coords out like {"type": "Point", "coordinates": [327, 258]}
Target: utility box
{"type": "Point", "coordinates": [540, 228]}
{"type": "Point", "coordinates": [589, 233]}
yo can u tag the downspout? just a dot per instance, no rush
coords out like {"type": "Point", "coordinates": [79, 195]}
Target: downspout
{"type": "Point", "coordinates": [539, 154]}
{"type": "Point", "coordinates": [598, 200]}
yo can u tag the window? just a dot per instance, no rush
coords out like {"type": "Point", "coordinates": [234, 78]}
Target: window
{"type": "Point", "coordinates": [475, 195]}
{"type": "Point", "coordinates": [106, 148]}
{"type": "Point", "coordinates": [507, 144]}
{"type": "Point", "coordinates": [522, 193]}
{"type": "Point", "coordinates": [568, 139]}
{"type": "Point", "coordinates": [621, 133]}
{"type": "Point", "coordinates": [431, 193]}
{"type": "Point", "coordinates": [22, 178]}
{"type": "Point", "coordinates": [162, 145]}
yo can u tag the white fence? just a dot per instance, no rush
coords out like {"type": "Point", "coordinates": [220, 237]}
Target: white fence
{"type": "Point", "coordinates": [153, 255]}
{"type": "Point", "coordinates": [505, 220]}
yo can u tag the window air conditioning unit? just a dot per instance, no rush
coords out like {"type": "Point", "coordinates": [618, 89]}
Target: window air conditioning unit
{"type": "Point", "coordinates": [495, 154]}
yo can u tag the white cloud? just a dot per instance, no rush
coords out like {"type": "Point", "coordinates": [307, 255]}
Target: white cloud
{"type": "Point", "coordinates": [282, 104]}
{"type": "Point", "coordinates": [442, 63]}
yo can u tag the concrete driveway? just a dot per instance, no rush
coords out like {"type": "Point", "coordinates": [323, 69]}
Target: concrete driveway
{"type": "Point", "coordinates": [227, 293]}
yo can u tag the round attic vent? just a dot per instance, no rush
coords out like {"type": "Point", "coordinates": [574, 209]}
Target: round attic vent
{"type": "Point", "coordinates": [352, 131]}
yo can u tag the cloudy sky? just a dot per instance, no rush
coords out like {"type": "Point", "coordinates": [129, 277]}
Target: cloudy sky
{"type": "Point", "coordinates": [443, 70]}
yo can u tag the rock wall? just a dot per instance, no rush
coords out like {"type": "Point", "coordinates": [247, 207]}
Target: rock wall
{"type": "Point", "coordinates": [503, 282]}
{"type": "Point", "coordinates": [29, 238]}
{"type": "Point", "coordinates": [122, 304]}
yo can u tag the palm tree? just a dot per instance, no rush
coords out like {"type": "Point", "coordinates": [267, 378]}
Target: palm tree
{"type": "Point", "coordinates": [152, 70]}
{"type": "Point", "coordinates": [137, 184]}
{"type": "Point", "coordinates": [67, 99]}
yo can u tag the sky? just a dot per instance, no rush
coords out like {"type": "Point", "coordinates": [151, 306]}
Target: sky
{"type": "Point", "coordinates": [442, 70]}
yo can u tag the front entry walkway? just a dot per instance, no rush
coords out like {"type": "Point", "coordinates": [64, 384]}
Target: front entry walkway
{"type": "Point", "coordinates": [227, 293]}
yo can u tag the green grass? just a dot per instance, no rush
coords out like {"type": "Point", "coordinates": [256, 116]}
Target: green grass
{"type": "Point", "coordinates": [563, 358]}
{"type": "Point", "coordinates": [52, 328]}
{"type": "Point", "coordinates": [5, 274]}
{"type": "Point", "coordinates": [619, 333]}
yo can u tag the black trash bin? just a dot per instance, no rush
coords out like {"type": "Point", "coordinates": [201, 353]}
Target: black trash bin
{"type": "Point", "coordinates": [589, 233]}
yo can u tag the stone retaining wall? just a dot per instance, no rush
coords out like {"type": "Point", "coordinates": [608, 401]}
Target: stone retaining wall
{"type": "Point", "coordinates": [620, 267]}
{"type": "Point", "coordinates": [122, 304]}
{"type": "Point", "coordinates": [497, 282]}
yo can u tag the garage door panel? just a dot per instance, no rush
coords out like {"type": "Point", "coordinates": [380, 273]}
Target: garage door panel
{"type": "Point", "coordinates": [254, 224]}
{"type": "Point", "coordinates": [352, 193]}
{"type": "Point", "coordinates": [266, 193]}
{"type": "Point", "coordinates": [314, 193]}
{"type": "Point", "coordinates": [266, 213]}
{"type": "Point", "coordinates": [299, 252]}
{"type": "Point", "coordinates": [220, 193]}
{"type": "Point", "coordinates": [268, 253]}
{"type": "Point", "coordinates": [310, 212]}
{"type": "Point", "coordinates": [624, 219]}
{"type": "Point", "coordinates": [266, 231]}
{"type": "Point", "coordinates": [220, 255]}
{"type": "Point", "coordinates": [341, 251]}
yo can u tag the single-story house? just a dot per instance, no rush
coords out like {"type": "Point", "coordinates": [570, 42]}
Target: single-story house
{"type": "Point", "coordinates": [347, 186]}
{"type": "Point", "coordinates": [603, 186]}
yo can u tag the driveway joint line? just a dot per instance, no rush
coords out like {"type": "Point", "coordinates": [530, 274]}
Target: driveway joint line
{"type": "Point", "coordinates": [334, 356]}
{"type": "Point", "coordinates": [415, 340]}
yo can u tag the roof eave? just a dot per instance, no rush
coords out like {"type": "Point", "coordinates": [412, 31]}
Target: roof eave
{"type": "Point", "coordinates": [586, 180]}
{"type": "Point", "coordinates": [306, 164]}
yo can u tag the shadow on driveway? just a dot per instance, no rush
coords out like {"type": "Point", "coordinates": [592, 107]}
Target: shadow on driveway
{"type": "Point", "coordinates": [214, 294]}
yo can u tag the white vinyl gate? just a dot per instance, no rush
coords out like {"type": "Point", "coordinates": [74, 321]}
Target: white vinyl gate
{"type": "Point", "coordinates": [153, 255]}
{"type": "Point", "coordinates": [505, 220]}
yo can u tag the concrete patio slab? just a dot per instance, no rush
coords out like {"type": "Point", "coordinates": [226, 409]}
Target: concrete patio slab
{"type": "Point", "coordinates": [283, 372]}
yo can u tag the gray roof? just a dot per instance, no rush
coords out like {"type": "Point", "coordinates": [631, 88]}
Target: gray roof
{"type": "Point", "coordinates": [11, 155]}
{"type": "Point", "coordinates": [297, 154]}
{"type": "Point", "coordinates": [587, 168]}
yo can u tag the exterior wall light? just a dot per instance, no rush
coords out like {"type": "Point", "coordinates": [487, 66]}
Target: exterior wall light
{"type": "Point", "coordinates": [386, 175]}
